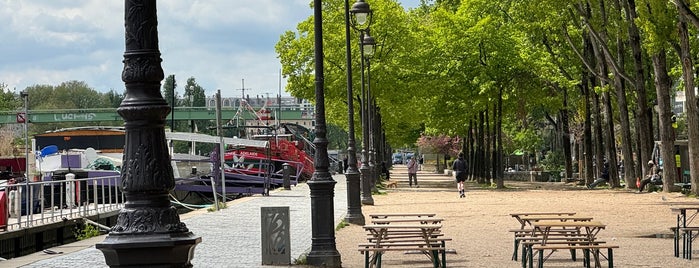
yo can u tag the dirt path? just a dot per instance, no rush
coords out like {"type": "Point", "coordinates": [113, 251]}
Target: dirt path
{"type": "Point", "coordinates": [479, 223]}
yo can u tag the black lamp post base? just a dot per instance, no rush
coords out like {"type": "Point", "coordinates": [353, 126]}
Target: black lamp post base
{"type": "Point", "coordinates": [151, 250]}
{"type": "Point", "coordinates": [324, 258]}
{"type": "Point", "coordinates": [354, 206]}
{"type": "Point", "coordinates": [357, 219]}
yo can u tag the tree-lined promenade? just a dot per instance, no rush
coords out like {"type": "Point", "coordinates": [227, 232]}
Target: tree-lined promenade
{"type": "Point", "coordinates": [566, 83]}
{"type": "Point", "coordinates": [558, 80]}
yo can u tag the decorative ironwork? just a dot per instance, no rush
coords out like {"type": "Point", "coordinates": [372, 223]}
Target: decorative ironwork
{"type": "Point", "coordinates": [148, 222]}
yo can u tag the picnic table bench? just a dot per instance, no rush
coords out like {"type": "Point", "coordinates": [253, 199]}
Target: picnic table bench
{"type": "Point", "coordinates": [425, 237]}
{"type": "Point", "coordinates": [685, 228]}
{"type": "Point", "coordinates": [409, 214]}
{"type": "Point", "coordinates": [518, 216]}
{"type": "Point", "coordinates": [586, 248]}
{"type": "Point", "coordinates": [407, 220]}
{"type": "Point", "coordinates": [547, 237]}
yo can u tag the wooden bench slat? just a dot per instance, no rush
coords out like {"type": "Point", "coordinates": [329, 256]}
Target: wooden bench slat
{"type": "Point", "coordinates": [547, 246]}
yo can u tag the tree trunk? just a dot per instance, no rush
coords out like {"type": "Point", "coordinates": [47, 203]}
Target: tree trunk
{"type": "Point", "coordinates": [566, 136]}
{"type": "Point", "coordinates": [667, 135]}
{"type": "Point", "coordinates": [626, 148]}
{"type": "Point", "coordinates": [498, 171]}
{"type": "Point", "coordinates": [645, 141]}
{"type": "Point", "coordinates": [488, 139]}
{"type": "Point", "coordinates": [690, 104]}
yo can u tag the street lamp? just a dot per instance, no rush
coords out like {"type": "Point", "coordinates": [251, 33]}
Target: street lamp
{"type": "Point", "coordinates": [323, 251]}
{"type": "Point", "coordinates": [366, 45]}
{"type": "Point", "coordinates": [148, 232]}
{"type": "Point", "coordinates": [354, 215]}
{"type": "Point", "coordinates": [369, 47]}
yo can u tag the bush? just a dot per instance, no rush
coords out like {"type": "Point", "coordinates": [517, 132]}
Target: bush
{"type": "Point", "coordinates": [86, 232]}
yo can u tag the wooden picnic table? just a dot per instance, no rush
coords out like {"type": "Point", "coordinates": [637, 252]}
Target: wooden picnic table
{"type": "Point", "coordinates": [422, 220]}
{"type": "Point", "coordinates": [685, 227]}
{"type": "Point", "coordinates": [391, 215]}
{"type": "Point", "coordinates": [529, 220]}
{"type": "Point", "coordinates": [590, 228]}
{"type": "Point", "coordinates": [384, 237]}
{"type": "Point", "coordinates": [518, 216]}
{"type": "Point", "coordinates": [586, 240]}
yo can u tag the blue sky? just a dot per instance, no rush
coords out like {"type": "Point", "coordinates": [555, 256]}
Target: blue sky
{"type": "Point", "coordinates": [216, 41]}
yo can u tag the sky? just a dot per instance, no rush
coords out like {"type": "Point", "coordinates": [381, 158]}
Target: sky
{"type": "Point", "coordinates": [224, 44]}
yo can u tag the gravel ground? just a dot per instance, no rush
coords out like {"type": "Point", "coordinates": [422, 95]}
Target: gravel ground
{"type": "Point", "coordinates": [479, 223]}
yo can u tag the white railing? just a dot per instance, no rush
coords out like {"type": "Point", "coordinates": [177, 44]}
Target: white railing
{"type": "Point", "coordinates": [60, 200]}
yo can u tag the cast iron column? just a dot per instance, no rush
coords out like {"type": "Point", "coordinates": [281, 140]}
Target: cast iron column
{"type": "Point", "coordinates": [365, 171]}
{"type": "Point", "coordinates": [148, 232]}
{"type": "Point", "coordinates": [354, 206]}
{"type": "Point", "coordinates": [370, 122]}
{"type": "Point", "coordinates": [323, 250]}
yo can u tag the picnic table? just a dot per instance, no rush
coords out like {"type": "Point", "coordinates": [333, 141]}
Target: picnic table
{"type": "Point", "coordinates": [518, 216]}
{"type": "Point", "coordinates": [393, 215]}
{"type": "Point", "coordinates": [407, 220]}
{"type": "Point", "coordinates": [685, 227]}
{"type": "Point", "coordinates": [554, 235]}
{"type": "Point", "coordinates": [404, 232]}
{"type": "Point", "coordinates": [530, 220]}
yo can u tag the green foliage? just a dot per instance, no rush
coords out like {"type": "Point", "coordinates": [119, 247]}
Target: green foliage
{"type": "Point", "coordinates": [9, 100]}
{"type": "Point", "coordinates": [301, 260]}
{"type": "Point", "coordinates": [341, 225]}
{"type": "Point", "coordinates": [221, 205]}
{"type": "Point", "coordinates": [87, 231]}
{"type": "Point", "coordinates": [553, 161]}
{"type": "Point", "coordinates": [170, 89]}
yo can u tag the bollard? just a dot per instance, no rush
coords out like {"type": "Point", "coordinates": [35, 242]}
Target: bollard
{"type": "Point", "coordinates": [287, 173]}
{"type": "Point", "coordinates": [70, 190]}
{"type": "Point", "coordinates": [276, 239]}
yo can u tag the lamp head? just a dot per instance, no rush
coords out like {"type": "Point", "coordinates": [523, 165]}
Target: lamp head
{"type": "Point", "coordinates": [368, 44]}
{"type": "Point", "coordinates": [361, 15]}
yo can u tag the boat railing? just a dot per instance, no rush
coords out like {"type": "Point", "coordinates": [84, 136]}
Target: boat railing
{"type": "Point", "coordinates": [59, 200]}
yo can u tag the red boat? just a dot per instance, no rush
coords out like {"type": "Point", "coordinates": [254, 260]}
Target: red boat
{"type": "Point", "coordinates": [283, 148]}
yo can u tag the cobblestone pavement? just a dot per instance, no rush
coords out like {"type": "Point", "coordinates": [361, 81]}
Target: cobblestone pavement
{"type": "Point", "coordinates": [230, 237]}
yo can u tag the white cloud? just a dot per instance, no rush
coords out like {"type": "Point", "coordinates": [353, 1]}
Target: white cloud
{"type": "Point", "coordinates": [219, 42]}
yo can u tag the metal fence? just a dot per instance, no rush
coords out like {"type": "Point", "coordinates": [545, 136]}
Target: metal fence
{"type": "Point", "coordinates": [36, 203]}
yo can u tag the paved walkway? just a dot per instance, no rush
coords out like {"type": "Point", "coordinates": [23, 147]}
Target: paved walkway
{"type": "Point", "coordinates": [230, 237]}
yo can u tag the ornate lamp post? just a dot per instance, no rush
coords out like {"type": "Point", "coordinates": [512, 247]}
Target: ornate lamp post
{"type": "Point", "coordinates": [371, 112]}
{"type": "Point", "coordinates": [148, 232]}
{"type": "Point", "coordinates": [354, 215]}
{"type": "Point", "coordinates": [366, 46]}
{"type": "Point", "coordinates": [323, 251]}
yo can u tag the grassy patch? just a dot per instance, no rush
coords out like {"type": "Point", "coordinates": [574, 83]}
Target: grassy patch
{"type": "Point", "coordinates": [221, 205]}
{"type": "Point", "coordinates": [86, 232]}
{"type": "Point", "coordinates": [341, 225]}
{"type": "Point", "coordinates": [301, 260]}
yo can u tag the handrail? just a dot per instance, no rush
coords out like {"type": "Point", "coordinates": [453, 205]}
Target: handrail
{"type": "Point", "coordinates": [60, 200]}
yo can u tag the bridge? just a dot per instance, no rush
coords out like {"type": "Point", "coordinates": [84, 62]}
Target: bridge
{"type": "Point", "coordinates": [110, 114]}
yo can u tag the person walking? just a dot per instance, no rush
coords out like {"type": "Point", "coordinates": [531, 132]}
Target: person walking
{"type": "Point", "coordinates": [460, 168]}
{"type": "Point", "coordinates": [412, 172]}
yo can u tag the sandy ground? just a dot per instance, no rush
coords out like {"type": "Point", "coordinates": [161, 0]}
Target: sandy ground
{"type": "Point", "coordinates": [479, 223]}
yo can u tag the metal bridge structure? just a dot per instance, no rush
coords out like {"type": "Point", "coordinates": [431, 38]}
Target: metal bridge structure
{"type": "Point", "coordinates": [110, 114]}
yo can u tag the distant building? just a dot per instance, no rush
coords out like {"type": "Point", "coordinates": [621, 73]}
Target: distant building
{"type": "Point", "coordinates": [268, 111]}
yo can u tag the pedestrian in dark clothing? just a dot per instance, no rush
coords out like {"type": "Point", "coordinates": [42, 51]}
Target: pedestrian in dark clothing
{"type": "Point", "coordinates": [604, 177]}
{"type": "Point", "coordinates": [412, 172]}
{"type": "Point", "coordinates": [384, 170]}
{"type": "Point", "coordinates": [460, 168]}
